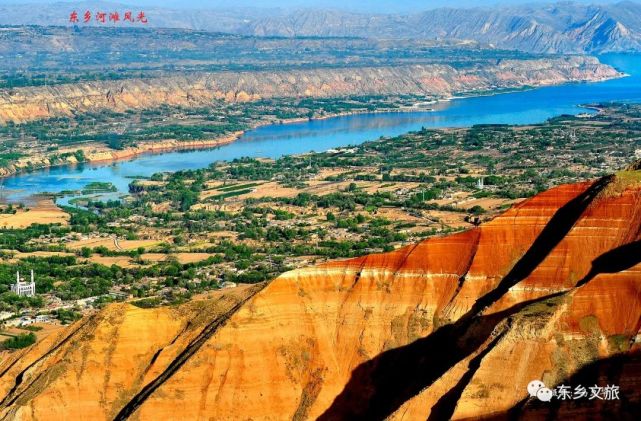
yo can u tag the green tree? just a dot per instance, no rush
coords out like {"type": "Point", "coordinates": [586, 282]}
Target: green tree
{"type": "Point", "coordinates": [23, 340]}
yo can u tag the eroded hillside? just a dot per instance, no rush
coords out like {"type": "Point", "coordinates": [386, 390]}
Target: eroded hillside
{"type": "Point", "coordinates": [452, 327]}
{"type": "Point", "coordinates": [433, 81]}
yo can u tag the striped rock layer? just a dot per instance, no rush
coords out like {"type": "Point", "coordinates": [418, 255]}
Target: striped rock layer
{"type": "Point", "coordinates": [454, 327]}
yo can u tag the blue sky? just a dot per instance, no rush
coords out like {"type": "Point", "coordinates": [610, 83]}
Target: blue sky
{"type": "Point", "coordinates": [361, 5]}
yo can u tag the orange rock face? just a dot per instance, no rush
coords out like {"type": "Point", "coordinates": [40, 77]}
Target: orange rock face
{"type": "Point", "coordinates": [451, 328]}
{"type": "Point", "coordinates": [25, 104]}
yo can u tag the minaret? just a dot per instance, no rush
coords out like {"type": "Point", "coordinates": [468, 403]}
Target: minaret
{"type": "Point", "coordinates": [32, 286]}
{"type": "Point", "coordinates": [15, 288]}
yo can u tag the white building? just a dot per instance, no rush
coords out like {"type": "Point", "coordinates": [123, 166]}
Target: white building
{"type": "Point", "coordinates": [22, 321]}
{"type": "Point", "coordinates": [22, 287]}
{"type": "Point", "coordinates": [43, 318]}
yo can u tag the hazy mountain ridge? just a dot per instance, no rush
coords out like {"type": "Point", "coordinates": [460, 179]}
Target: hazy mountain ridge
{"type": "Point", "coordinates": [564, 27]}
{"type": "Point", "coordinates": [33, 49]}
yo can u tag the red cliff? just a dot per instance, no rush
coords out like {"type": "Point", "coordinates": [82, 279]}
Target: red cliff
{"type": "Point", "coordinates": [452, 327]}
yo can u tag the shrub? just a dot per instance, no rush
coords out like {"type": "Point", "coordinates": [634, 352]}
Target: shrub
{"type": "Point", "coordinates": [23, 340]}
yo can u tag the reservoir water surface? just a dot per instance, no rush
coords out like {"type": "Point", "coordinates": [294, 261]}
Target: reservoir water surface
{"type": "Point", "coordinates": [523, 107]}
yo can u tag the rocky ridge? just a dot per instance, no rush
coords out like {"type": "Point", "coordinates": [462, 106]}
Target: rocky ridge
{"type": "Point", "coordinates": [435, 81]}
{"type": "Point", "coordinates": [452, 327]}
{"type": "Point", "coordinates": [561, 27]}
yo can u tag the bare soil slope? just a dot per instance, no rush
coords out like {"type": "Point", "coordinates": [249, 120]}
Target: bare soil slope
{"type": "Point", "coordinates": [452, 327]}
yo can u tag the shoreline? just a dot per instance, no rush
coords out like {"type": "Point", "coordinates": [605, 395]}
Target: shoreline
{"type": "Point", "coordinates": [98, 154]}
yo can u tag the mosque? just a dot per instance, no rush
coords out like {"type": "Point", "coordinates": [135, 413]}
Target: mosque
{"type": "Point", "coordinates": [21, 287]}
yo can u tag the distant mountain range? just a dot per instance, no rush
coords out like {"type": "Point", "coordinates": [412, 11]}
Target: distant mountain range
{"type": "Point", "coordinates": [563, 27]}
{"type": "Point", "coordinates": [557, 28]}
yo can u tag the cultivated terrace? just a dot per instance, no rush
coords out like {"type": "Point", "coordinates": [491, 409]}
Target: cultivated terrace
{"type": "Point", "coordinates": [246, 221]}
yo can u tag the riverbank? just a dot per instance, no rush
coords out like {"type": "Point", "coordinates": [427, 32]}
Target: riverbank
{"type": "Point", "coordinates": [271, 138]}
{"type": "Point", "coordinates": [98, 153]}
{"type": "Point", "coordinates": [20, 105]}
{"type": "Point", "coordinates": [95, 153]}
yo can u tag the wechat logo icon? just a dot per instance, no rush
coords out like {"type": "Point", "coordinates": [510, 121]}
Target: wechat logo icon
{"type": "Point", "coordinates": [536, 388]}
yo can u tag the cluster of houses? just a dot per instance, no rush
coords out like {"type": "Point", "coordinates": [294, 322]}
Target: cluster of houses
{"type": "Point", "coordinates": [25, 320]}
{"type": "Point", "coordinates": [28, 288]}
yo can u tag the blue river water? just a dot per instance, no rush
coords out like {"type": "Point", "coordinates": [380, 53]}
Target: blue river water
{"type": "Point", "coordinates": [523, 107]}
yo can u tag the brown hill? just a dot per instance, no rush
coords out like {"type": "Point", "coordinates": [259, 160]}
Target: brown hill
{"type": "Point", "coordinates": [438, 81]}
{"type": "Point", "coordinates": [452, 327]}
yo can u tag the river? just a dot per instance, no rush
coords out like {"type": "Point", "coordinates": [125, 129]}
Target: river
{"type": "Point", "coordinates": [523, 107]}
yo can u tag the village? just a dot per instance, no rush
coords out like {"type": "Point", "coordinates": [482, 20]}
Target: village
{"type": "Point", "coordinates": [19, 327]}
{"type": "Point", "coordinates": [47, 314]}
{"type": "Point", "coordinates": [179, 235]}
